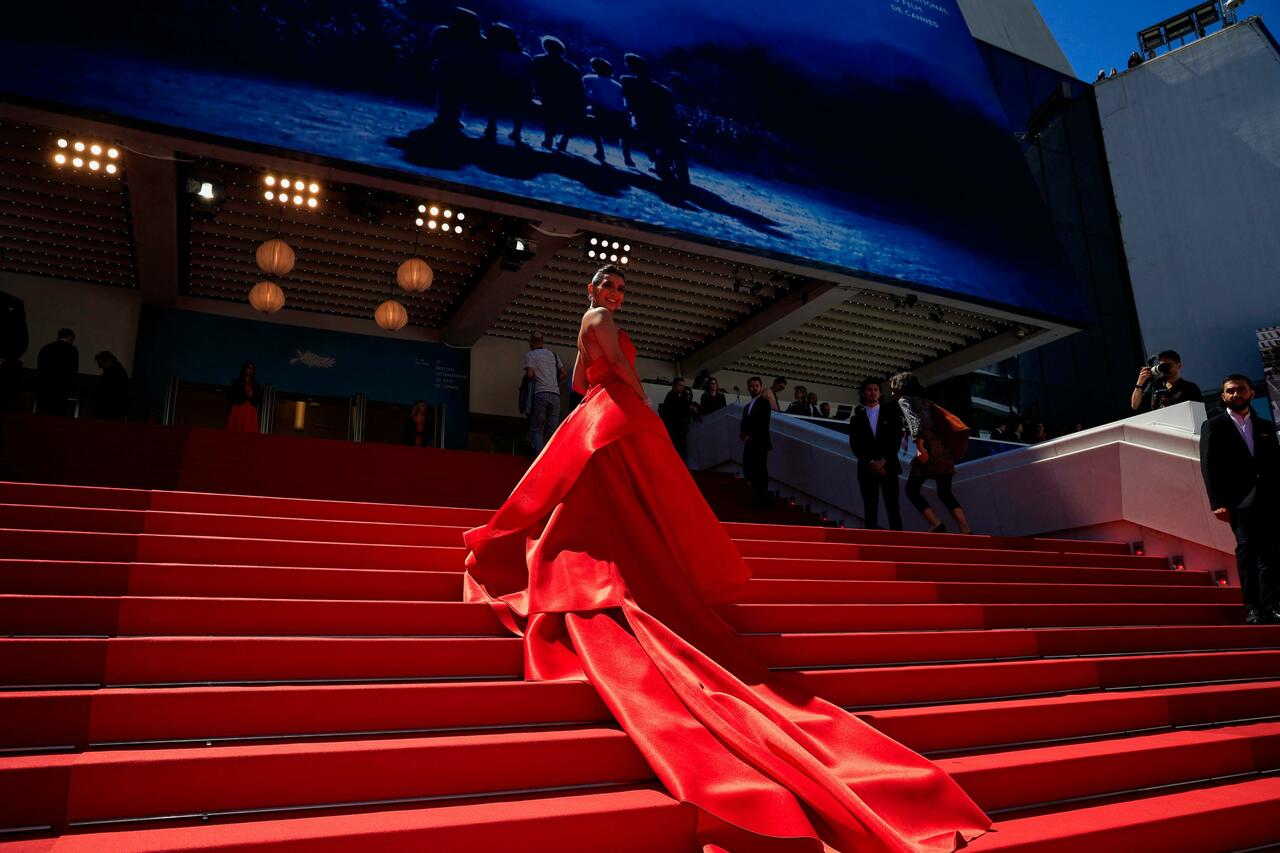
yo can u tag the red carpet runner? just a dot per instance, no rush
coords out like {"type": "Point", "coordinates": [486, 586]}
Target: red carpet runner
{"type": "Point", "coordinates": [198, 671]}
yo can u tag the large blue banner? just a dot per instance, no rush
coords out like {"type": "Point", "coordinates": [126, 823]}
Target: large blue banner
{"type": "Point", "coordinates": [198, 347]}
{"type": "Point", "coordinates": [858, 135]}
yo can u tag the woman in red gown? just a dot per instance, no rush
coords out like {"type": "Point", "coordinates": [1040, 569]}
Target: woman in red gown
{"type": "Point", "coordinates": [606, 559]}
{"type": "Point", "coordinates": [245, 396]}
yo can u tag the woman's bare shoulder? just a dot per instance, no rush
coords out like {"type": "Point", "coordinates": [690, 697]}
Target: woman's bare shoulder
{"type": "Point", "coordinates": [596, 317]}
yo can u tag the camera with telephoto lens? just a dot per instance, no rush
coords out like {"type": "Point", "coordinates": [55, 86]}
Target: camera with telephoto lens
{"type": "Point", "coordinates": [1159, 369]}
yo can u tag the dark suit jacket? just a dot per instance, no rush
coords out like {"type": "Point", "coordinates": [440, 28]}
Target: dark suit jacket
{"type": "Point", "coordinates": [884, 444]}
{"type": "Point", "coordinates": [755, 422]}
{"type": "Point", "coordinates": [1233, 478]}
{"type": "Point", "coordinates": [58, 369]}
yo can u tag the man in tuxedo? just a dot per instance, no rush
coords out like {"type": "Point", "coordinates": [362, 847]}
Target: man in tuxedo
{"type": "Point", "coordinates": [875, 434]}
{"type": "Point", "coordinates": [756, 443]}
{"type": "Point", "coordinates": [1240, 461]}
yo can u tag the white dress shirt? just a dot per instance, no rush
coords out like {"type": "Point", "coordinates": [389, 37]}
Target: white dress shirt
{"type": "Point", "coordinates": [1244, 423]}
{"type": "Point", "coordinates": [873, 417]}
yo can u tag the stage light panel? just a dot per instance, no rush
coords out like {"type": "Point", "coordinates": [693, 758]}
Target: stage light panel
{"type": "Point", "coordinates": [605, 249]}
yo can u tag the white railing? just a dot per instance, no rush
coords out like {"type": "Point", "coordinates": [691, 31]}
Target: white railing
{"type": "Point", "coordinates": [1134, 480]}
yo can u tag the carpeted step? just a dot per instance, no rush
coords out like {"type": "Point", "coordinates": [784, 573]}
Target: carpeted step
{"type": "Point", "coordinates": [122, 784]}
{"type": "Point", "coordinates": [927, 684]}
{"type": "Point", "coordinates": [783, 568]}
{"type": "Point", "coordinates": [945, 540]}
{"type": "Point", "coordinates": [66, 615]}
{"type": "Point", "coordinates": [638, 820]}
{"type": "Point", "coordinates": [81, 719]}
{"type": "Point", "coordinates": [68, 577]}
{"type": "Point", "coordinates": [994, 725]}
{"type": "Point", "coordinates": [1215, 819]}
{"type": "Point", "coordinates": [932, 554]}
{"type": "Point", "coordinates": [844, 618]}
{"type": "Point", "coordinates": [23, 517]}
{"type": "Point", "coordinates": [768, 591]}
{"type": "Point", "coordinates": [35, 663]}
{"type": "Point", "coordinates": [1036, 777]}
{"type": "Point", "coordinates": [157, 548]}
{"type": "Point", "coordinates": [862, 649]}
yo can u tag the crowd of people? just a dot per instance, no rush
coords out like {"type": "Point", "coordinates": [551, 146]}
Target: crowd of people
{"type": "Point", "coordinates": [485, 71]}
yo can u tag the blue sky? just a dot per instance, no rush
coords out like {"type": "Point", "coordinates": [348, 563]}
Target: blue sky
{"type": "Point", "coordinates": [1102, 33]}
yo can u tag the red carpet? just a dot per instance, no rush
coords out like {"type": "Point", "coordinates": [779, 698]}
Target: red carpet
{"type": "Point", "coordinates": [202, 671]}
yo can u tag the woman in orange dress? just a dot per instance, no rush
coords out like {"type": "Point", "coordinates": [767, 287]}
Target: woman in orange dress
{"type": "Point", "coordinates": [607, 561]}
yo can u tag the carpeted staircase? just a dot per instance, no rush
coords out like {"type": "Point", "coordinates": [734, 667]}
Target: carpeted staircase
{"type": "Point", "coordinates": [199, 671]}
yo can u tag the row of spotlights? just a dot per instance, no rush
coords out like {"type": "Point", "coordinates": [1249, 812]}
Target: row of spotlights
{"type": "Point", "coordinates": [431, 218]}
{"type": "Point", "coordinates": [284, 198]}
{"type": "Point", "coordinates": [615, 252]}
{"type": "Point", "coordinates": [299, 191]}
{"type": "Point", "coordinates": [93, 156]}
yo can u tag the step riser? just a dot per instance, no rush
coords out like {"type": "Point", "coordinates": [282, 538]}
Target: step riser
{"type": "Point", "coordinates": [208, 660]}
{"type": "Point", "coordinates": [782, 569]}
{"type": "Point", "coordinates": [963, 682]}
{"type": "Point", "coordinates": [987, 727]}
{"type": "Point", "coordinates": [910, 554]}
{"type": "Point", "coordinates": [1180, 757]}
{"type": "Point", "coordinates": [129, 547]}
{"type": "Point", "coordinates": [426, 531]}
{"type": "Point", "coordinates": [50, 616]}
{"type": "Point", "coordinates": [898, 537]}
{"type": "Point", "coordinates": [81, 719]}
{"type": "Point", "coordinates": [148, 579]}
{"type": "Point", "coordinates": [633, 821]}
{"type": "Point", "coordinates": [896, 592]}
{"type": "Point", "coordinates": [838, 618]}
{"type": "Point", "coordinates": [914, 647]}
{"type": "Point", "coordinates": [190, 782]}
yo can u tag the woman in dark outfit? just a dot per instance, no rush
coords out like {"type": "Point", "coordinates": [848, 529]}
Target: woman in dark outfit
{"type": "Point", "coordinates": [932, 431]}
{"type": "Point", "coordinates": [416, 433]}
{"type": "Point", "coordinates": [245, 395]}
{"type": "Point", "coordinates": [712, 400]}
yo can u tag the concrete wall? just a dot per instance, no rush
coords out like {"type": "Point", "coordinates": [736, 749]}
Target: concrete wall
{"type": "Point", "coordinates": [1016, 26]}
{"type": "Point", "coordinates": [103, 318]}
{"type": "Point", "coordinates": [1193, 140]}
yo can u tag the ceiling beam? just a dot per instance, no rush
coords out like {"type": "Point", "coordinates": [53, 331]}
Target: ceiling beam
{"type": "Point", "coordinates": [497, 287]}
{"type": "Point", "coordinates": [797, 307]}
{"type": "Point", "coordinates": [153, 203]}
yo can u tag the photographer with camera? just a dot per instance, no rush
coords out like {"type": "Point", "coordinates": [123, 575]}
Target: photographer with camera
{"type": "Point", "coordinates": [1160, 384]}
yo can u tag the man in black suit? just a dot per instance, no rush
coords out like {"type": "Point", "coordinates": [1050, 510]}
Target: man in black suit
{"type": "Point", "coordinates": [1240, 460]}
{"type": "Point", "coordinates": [875, 434]}
{"type": "Point", "coordinates": [756, 443]}
{"type": "Point", "coordinates": [58, 374]}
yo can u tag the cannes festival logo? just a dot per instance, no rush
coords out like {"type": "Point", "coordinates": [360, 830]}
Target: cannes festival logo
{"type": "Point", "coordinates": [309, 359]}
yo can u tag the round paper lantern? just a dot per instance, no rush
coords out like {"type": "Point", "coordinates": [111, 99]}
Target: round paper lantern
{"type": "Point", "coordinates": [391, 315]}
{"type": "Point", "coordinates": [275, 257]}
{"type": "Point", "coordinates": [415, 275]}
{"type": "Point", "coordinates": [267, 297]}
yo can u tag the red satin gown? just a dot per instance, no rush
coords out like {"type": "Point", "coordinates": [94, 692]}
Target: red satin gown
{"type": "Point", "coordinates": [606, 559]}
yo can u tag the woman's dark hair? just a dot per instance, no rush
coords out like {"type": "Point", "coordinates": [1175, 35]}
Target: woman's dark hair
{"type": "Point", "coordinates": [244, 367]}
{"type": "Point", "coordinates": [606, 270]}
{"type": "Point", "coordinates": [906, 384]}
{"type": "Point", "coordinates": [105, 356]}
